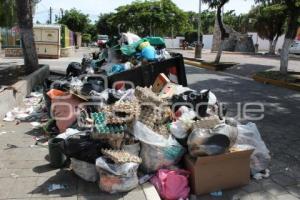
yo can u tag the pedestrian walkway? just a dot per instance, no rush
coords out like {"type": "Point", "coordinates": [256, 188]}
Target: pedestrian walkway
{"type": "Point", "coordinates": [25, 172]}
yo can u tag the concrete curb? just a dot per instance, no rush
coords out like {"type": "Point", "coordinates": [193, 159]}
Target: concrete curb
{"type": "Point", "coordinates": [150, 192]}
{"type": "Point", "coordinates": [14, 96]}
{"type": "Point", "coordinates": [197, 64]}
{"type": "Point", "coordinates": [276, 83]}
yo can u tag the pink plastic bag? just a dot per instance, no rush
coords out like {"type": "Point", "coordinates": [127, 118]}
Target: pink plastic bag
{"type": "Point", "coordinates": [172, 184]}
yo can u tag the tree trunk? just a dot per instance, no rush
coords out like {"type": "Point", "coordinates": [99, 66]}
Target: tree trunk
{"type": "Point", "coordinates": [24, 12]}
{"type": "Point", "coordinates": [223, 33]}
{"type": "Point", "coordinates": [219, 53]}
{"type": "Point", "coordinates": [272, 46]}
{"type": "Point", "coordinates": [292, 26]}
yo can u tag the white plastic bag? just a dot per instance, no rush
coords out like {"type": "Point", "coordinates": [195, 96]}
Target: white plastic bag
{"type": "Point", "coordinates": [84, 170]}
{"type": "Point", "coordinates": [156, 151]}
{"type": "Point", "coordinates": [116, 178]}
{"type": "Point", "coordinates": [249, 135]}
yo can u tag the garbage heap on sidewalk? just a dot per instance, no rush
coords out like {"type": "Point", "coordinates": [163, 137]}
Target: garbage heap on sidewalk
{"type": "Point", "coordinates": [175, 137]}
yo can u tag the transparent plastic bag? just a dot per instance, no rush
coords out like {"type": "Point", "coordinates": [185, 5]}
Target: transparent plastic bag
{"type": "Point", "coordinates": [156, 151]}
{"type": "Point", "coordinates": [116, 178]}
{"type": "Point", "coordinates": [249, 135]}
{"type": "Point", "coordinates": [84, 170]}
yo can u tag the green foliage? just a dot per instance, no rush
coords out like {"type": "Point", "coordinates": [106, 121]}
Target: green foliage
{"type": "Point", "coordinates": [75, 20]}
{"type": "Point", "coordinates": [86, 38]}
{"type": "Point", "coordinates": [207, 21]}
{"type": "Point", "coordinates": [215, 3]}
{"type": "Point", "coordinates": [269, 20]}
{"type": "Point", "coordinates": [7, 13]}
{"type": "Point", "coordinates": [239, 23]}
{"type": "Point", "coordinates": [105, 26]}
{"type": "Point", "coordinates": [92, 30]}
{"type": "Point", "coordinates": [145, 18]}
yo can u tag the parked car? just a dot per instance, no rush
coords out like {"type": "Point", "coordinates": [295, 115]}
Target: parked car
{"type": "Point", "coordinates": [102, 39]}
{"type": "Point", "coordinates": [295, 48]}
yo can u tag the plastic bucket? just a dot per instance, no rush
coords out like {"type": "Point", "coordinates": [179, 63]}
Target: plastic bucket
{"type": "Point", "coordinates": [57, 158]}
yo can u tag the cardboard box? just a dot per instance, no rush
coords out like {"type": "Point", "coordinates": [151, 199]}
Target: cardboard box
{"type": "Point", "coordinates": [213, 173]}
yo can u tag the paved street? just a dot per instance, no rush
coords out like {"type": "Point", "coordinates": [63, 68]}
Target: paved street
{"type": "Point", "coordinates": [248, 64]}
{"type": "Point", "coordinates": [25, 174]}
{"type": "Point", "coordinates": [279, 129]}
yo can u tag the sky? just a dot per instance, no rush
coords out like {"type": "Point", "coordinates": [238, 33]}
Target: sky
{"type": "Point", "coordinates": [95, 7]}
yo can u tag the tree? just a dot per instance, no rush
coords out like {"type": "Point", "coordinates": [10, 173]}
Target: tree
{"type": "Point", "coordinates": [24, 15]}
{"type": "Point", "coordinates": [7, 13]}
{"type": "Point", "coordinates": [75, 20]}
{"type": "Point", "coordinates": [269, 23]}
{"type": "Point", "coordinates": [149, 18]}
{"type": "Point", "coordinates": [218, 4]}
{"type": "Point", "coordinates": [207, 21]}
{"type": "Point", "coordinates": [293, 14]}
{"type": "Point", "coordinates": [104, 25]}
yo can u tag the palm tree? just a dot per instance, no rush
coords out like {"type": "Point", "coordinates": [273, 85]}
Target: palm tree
{"type": "Point", "coordinates": [24, 15]}
{"type": "Point", "coordinates": [218, 4]}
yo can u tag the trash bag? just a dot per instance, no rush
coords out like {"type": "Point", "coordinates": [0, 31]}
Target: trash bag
{"type": "Point", "coordinates": [74, 69]}
{"type": "Point", "coordinates": [172, 184]}
{"type": "Point", "coordinates": [156, 41]}
{"type": "Point", "coordinates": [83, 148]}
{"type": "Point", "coordinates": [249, 135]}
{"type": "Point", "coordinates": [156, 151]}
{"type": "Point", "coordinates": [149, 53]}
{"type": "Point", "coordinates": [116, 178]}
{"type": "Point", "coordinates": [198, 101]}
{"type": "Point", "coordinates": [84, 170]}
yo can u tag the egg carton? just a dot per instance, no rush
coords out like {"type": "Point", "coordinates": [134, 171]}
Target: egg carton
{"type": "Point", "coordinates": [147, 95]}
{"type": "Point", "coordinates": [121, 156]}
{"type": "Point", "coordinates": [207, 122]}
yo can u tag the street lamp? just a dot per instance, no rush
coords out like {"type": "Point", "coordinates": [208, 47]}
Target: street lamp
{"type": "Point", "coordinates": [198, 48]}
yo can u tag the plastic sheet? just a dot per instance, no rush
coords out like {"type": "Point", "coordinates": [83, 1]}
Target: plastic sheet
{"type": "Point", "coordinates": [249, 135]}
{"type": "Point", "coordinates": [117, 177]}
{"type": "Point", "coordinates": [84, 170]}
{"type": "Point", "coordinates": [172, 184]}
{"type": "Point", "coordinates": [156, 151]}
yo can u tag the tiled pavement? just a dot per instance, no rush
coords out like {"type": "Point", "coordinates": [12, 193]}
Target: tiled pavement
{"type": "Point", "coordinates": [26, 174]}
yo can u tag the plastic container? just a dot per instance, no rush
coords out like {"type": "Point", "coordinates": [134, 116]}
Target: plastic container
{"type": "Point", "coordinates": [57, 157]}
{"type": "Point", "coordinates": [145, 75]}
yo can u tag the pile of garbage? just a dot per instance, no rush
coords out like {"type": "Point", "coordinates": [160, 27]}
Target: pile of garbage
{"type": "Point", "coordinates": [121, 54]}
{"type": "Point", "coordinates": [121, 137]}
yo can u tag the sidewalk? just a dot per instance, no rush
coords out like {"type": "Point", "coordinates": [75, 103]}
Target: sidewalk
{"type": "Point", "coordinates": [25, 172]}
{"type": "Point", "coordinates": [249, 64]}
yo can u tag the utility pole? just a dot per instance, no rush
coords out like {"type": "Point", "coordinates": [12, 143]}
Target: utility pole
{"type": "Point", "coordinates": [198, 48]}
{"type": "Point", "coordinates": [50, 15]}
{"type": "Point", "coordinates": [62, 12]}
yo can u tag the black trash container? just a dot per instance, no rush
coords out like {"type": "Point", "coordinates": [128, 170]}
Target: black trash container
{"type": "Point", "coordinates": [56, 155]}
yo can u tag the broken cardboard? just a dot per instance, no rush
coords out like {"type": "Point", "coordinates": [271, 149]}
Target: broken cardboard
{"type": "Point", "coordinates": [213, 173]}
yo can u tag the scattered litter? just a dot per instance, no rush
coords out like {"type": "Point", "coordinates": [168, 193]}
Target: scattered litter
{"type": "Point", "coordinates": [217, 194]}
{"type": "Point", "coordinates": [261, 175]}
{"type": "Point", "coordinates": [9, 117]}
{"type": "Point", "coordinates": [14, 175]}
{"type": "Point", "coordinates": [35, 124]}
{"type": "Point", "coordinates": [11, 146]}
{"type": "Point", "coordinates": [54, 187]}
{"type": "Point", "coordinates": [3, 132]}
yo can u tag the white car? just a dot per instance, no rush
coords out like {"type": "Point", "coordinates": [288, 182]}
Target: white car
{"type": "Point", "coordinates": [295, 48]}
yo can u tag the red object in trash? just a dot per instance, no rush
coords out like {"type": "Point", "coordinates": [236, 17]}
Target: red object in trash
{"type": "Point", "coordinates": [172, 184]}
{"type": "Point", "coordinates": [53, 93]}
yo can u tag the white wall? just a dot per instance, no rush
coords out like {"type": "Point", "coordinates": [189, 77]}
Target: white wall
{"type": "Point", "coordinates": [207, 41]}
{"type": "Point", "coordinates": [173, 43]}
{"type": "Point", "coordinates": [263, 45]}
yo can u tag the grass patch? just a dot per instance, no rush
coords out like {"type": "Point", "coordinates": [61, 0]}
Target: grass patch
{"type": "Point", "coordinates": [291, 77]}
